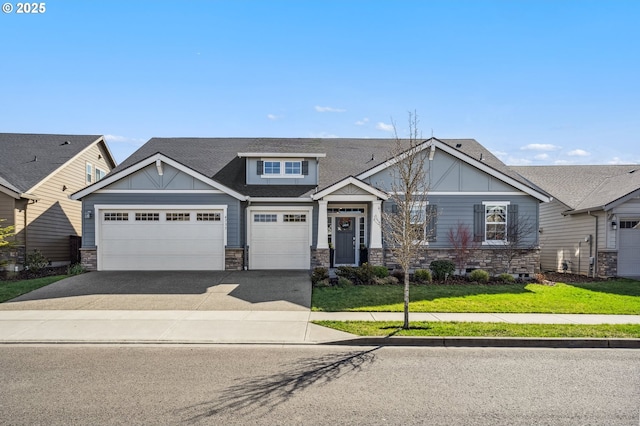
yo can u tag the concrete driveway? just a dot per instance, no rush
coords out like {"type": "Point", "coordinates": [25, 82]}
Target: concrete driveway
{"type": "Point", "coordinates": [166, 291]}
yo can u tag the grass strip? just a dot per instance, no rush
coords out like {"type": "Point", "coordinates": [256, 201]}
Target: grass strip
{"type": "Point", "coordinates": [12, 289]}
{"type": "Point", "coordinates": [607, 297]}
{"type": "Point", "coordinates": [483, 329]}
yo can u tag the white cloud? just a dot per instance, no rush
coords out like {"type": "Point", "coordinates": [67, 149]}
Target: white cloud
{"type": "Point", "coordinates": [561, 162]}
{"type": "Point", "coordinates": [385, 127]}
{"type": "Point", "coordinates": [578, 153]}
{"type": "Point", "coordinates": [541, 157]}
{"type": "Point", "coordinates": [518, 161]}
{"type": "Point", "coordinates": [122, 139]}
{"type": "Point", "coordinates": [362, 122]}
{"type": "Point", "coordinates": [500, 154]}
{"type": "Point", "coordinates": [274, 117]}
{"type": "Point", "coordinates": [328, 109]}
{"type": "Point", "coordinates": [617, 160]}
{"type": "Point", "coordinates": [540, 147]}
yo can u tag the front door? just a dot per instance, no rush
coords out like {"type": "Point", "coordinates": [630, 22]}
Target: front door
{"type": "Point", "coordinates": [345, 241]}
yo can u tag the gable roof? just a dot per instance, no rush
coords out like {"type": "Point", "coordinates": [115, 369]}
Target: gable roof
{"type": "Point", "coordinates": [587, 187]}
{"type": "Point", "coordinates": [218, 159]}
{"type": "Point", "coordinates": [28, 159]}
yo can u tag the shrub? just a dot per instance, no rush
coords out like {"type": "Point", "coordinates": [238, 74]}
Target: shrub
{"type": "Point", "coordinates": [344, 282]}
{"type": "Point", "coordinates": [391, 280]}
{"type": "Point", "coordinates": [318, 275]}
{"type": "Point", "coordinates": [479, 275]}
{"type": "Point", "coordinates": [364, 274]}
{"type": "Point", "coordinates": [398, 274]}
{"type": "Point", "coordinates": [348, 272]}
{"type": "Point", "coordinates": [76, 269]}
{"type": "Point", "coordinates": [507, 278]}
{"type": "Point", "coordinates": [36, 261]}
{"type": "Point", "coordinates": [539, 278]}
{"type": "Point", "coordinates": [441, 269]}
{"type": "Point", "coordinates": [422, 276]}
{"type": "Point", "coordinates": [380, 271]}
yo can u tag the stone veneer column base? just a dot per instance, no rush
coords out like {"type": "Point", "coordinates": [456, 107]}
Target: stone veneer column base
{"type": "Point", "coordinates": [320, 258]}
{"type": "Point", "coordinates": [607, 263]}
{"type": "Point", "coordinates": [234, 259]}
{"type": "Point", "coordinates": [376, 257]}
{"type": "Point", "coordinates": [89, 258]}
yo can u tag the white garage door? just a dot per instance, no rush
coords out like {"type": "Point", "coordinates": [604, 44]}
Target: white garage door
{"type": "Point", "coordinates": [629, 249]}
{"type": "Point", "coordinates": [161, 240]}
{"type": "Point", "coordinates": [279, 240]}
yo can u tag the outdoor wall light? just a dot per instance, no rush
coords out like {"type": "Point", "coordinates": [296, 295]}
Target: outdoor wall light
{"type": "Point", "coordinates": [614, 225]}
{"type": "Point", "coordinates": [88, 214]}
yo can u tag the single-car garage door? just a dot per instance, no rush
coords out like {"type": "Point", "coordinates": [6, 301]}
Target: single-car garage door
{"type": "Point", "coordinates": [161, 239]}
{"type": "Point", "coordinates": [629, 249]}
{"type": "Point", "coordinates": [279, 240]}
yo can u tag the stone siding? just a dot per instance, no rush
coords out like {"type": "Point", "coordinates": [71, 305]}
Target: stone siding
{"type": "Point", "coordinates": [234, 259]}
{"type": "Point", "coordinates": [319, 258]}
{"type": "Point", "coordinates": [376, 257]}
{"type": "Point", "coordinates": [607, 263]}
{"type": "Point", "coordinates": [89, 258]}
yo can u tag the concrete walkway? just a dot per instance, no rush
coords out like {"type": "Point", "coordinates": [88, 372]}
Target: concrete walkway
{"type": "Point", "coordinates": [258, 327]}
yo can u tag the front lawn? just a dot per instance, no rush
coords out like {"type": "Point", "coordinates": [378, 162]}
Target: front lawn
{"type": "Point", "coordinates": [481, 329]}
{"type": "Point", "coordinates": [606, 297]}
{"type": "Point", "coordinates": [11, 289]}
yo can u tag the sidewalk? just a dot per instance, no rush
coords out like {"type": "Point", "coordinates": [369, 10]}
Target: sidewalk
{"type": "Point", "coordinates": [266, 327]}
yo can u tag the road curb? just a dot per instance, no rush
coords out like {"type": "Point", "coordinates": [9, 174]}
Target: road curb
{"type": "Point", "coordinates": [493, 342]}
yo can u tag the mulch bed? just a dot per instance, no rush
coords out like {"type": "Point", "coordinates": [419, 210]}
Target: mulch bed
{"type": "Point", "coordinates": [28, 275]}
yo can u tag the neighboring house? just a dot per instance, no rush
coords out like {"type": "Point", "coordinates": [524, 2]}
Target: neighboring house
{"type": "Point", "coordinates": [37, 174]}
{"type": "Point", "coordinates": [185, 203]}
{"type": "Point", "coordinates": [591, 227]}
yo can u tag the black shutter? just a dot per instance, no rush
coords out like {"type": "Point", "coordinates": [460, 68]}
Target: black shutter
{"type": "Point", "coordinates": [260, 167]}
{"type": "Point", "coordinates": [478, 223]}
{"type": "Point", "coordinates": [432, 222]}
{"type": "Point", "coordinates": [305, 168]}
{"type": "Point", "coordinates": [394, 208]}
{"type": "Point", "coordinates": [512, 222]}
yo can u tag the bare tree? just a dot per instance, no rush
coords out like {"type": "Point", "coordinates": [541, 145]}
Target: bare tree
{"type": "Point", "coordinates": [461, 239]}
{"type": "Point", "coordinates": [518, 239]}
{"type": "Point", "coordinates": [406, 226]}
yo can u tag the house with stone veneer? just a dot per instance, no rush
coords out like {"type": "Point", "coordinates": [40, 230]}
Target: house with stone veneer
{"type": "Point", "coordinates": [284, 203]}
{"type": "Point", "coordinates": [38, 172]}
{"type": "Point", "coordinates": [591, 226]}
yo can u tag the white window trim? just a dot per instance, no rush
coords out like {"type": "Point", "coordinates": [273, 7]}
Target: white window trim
{"type": "Point", "coordinates": [88, 173]}
{"type": "Point", "coordinates": [486, 242]}
{"type": "Point", "coordinates": [104, 173]}
{"type": "Point", "coordinates": [282, 173]}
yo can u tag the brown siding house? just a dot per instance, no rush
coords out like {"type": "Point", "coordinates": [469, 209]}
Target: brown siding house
{"type": "Point", "coordinates": [38, 172]}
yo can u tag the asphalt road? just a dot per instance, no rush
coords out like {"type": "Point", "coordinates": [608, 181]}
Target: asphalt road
{"type": "Point", "coordinates": [317, 385]}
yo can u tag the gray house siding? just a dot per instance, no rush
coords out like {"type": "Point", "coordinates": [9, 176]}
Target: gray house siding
{"type": "Point", "coordinates": [177, 199]}
{"type": "Point", "coordinates": [149, 179]}
{"type": "Point", "coordinates": [253, 178]}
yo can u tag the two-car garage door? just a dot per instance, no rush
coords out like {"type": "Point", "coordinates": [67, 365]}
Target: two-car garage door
{"type": "Point", "coordinates": [161, 239]}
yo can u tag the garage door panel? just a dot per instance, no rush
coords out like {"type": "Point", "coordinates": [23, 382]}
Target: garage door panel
{"type": "Point", "coordinates": [629, 250]}
{"type": "Point", "coordinates": [280, 245]}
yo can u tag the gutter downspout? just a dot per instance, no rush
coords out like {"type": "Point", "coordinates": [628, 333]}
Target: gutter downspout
{"type": "Point", "coordinates": [594, 268]}
{"type": "Point", "coordinates": [244, 231]}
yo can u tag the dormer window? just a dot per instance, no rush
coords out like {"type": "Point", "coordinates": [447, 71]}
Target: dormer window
{"type": "Point", "coordinates": [283, 168]}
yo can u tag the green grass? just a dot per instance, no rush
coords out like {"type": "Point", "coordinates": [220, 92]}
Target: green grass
{"type": "Point", "coordinates": [480, 329]}
{"type": "Point", "coordinates": [607, 297]}
{"type": "Point", "coordinates": [11, 289]}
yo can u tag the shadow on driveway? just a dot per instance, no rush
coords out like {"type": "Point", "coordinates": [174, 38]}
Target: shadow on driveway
{"type": "Point", "coordinates": [173, 290]}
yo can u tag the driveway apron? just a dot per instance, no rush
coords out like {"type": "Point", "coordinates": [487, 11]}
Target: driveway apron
{"type": "Point", "coordinates": [173, 290]}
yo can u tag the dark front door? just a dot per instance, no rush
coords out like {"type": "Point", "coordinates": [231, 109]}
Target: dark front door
{"type": "Point", "coordinates": [345, 241]}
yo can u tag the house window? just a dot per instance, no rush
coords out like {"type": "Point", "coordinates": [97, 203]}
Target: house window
{"type": "Point", "coordinates": [148, 217]}
{"type": "Point", "coordinates": [89, 172]}
{"type": "Point", "coordinates": [417, 220]}
{"type": "Point", "coordinates": [178, 217]}
{"type": "Point", "coordinates": [292, 168]}
{"type": "Point", "coordinates": [495, 220]}
{"type": "Point", "coordinates": [210, 217]}
{"type": "Point", "coordinates": [362, 233]}
{"type": "Point", "coordinates": [99, 174]}
{"type": "Point", "coordinates": [295, 218]}
{"type": "Point", "coordinates": [109, 217]}
{"type": "Point", "coordinates": [271, 167]}
{"type": "Point", "coordinates": [265, 218]}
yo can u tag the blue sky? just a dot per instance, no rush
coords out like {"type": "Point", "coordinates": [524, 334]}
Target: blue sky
{"type": "Point", "coordinates": [536, 82]}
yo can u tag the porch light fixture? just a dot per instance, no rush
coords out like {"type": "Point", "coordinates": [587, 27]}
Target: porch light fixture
{"type": "Point", "coordinates": [614, 225]}
{"type": "Point", "coordinates": [88, 214]}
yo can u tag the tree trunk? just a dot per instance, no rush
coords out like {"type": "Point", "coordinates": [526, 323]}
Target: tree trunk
{"type": "Point", "coordinates": [406, 300]}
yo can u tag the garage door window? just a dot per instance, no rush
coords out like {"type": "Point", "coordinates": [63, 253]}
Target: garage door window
{"type": "Point", "coordinates": [116, 216]}
{"type": "Point", "coordinates": [178, 217]}
{"type": "Point", "coordinates": [265, 218]}
{"type": "Point", "coordinates": [628, 224]}
{"type": "Point", "coordinates": [150, 217]}
{"type": "Point", "coordinates": [295, 218]}
{"type": "Point", "coordinates": [208, 217]}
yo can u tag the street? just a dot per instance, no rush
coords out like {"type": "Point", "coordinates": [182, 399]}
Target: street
{"type": "Point", "coordinates": [317, 385]}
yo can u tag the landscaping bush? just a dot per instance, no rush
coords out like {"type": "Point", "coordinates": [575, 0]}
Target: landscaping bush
{"type": "Point", "coordinates": [539, 278]}
{"type": "Point", "coordinates": [348, 272]}
{"type": "Point", "coordinates": [398, 274]}
{"type": "Point", "coordinates": [36, 261]}
{"type": "Point", "coordinates": [480, 276]}
{"type": "Point", "coordinates": [320, 277]}
{"type": "Point", "coordinates": [507, 278]}
{"type": "Point", "coordinates": [441, 269]}
{"type": "Point", "coordinates": [380, 271]}
{"type": "Point", "coordinates": [422, 276]}
{"type": "Point", "coordinates": [344, 282]}
{"type": "Point", "coordinates": [76, 269]}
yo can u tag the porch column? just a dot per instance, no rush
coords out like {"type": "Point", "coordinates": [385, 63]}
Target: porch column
{"type": "Point", "coordinates": [323, 239]}
{"type": "Point", "coordinates": [376, 228]}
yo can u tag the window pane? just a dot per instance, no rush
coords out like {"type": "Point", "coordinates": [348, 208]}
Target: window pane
{"type": "Point", "coordinates": [292, 167]}
{"type": "Point", "coordinates": [271, 167]}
